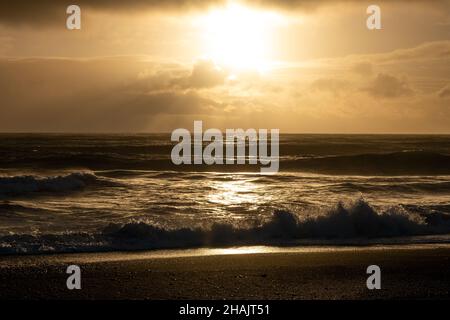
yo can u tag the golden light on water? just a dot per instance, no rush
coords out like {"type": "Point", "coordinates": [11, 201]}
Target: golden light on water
{"type": "Point", "coordinates": [234, 193]}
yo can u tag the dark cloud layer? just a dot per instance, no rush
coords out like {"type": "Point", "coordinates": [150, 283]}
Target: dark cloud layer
{"type": "Point", "coordinates": [51, 12]}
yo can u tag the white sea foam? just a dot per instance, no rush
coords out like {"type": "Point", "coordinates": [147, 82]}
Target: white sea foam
{"type": "Point", "coordinates": [355, 224]}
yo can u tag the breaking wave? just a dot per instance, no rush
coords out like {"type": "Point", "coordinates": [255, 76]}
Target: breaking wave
{"type": "Point", "coordinates": [26, 184]}
{"type": "Point", "coordinates": [357, 223]}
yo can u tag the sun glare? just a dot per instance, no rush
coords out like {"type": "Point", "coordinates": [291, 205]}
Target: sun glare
{"type": "Point", "coordinates": [240, 38]}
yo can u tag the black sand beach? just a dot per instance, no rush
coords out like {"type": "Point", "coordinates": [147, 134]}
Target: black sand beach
{"type": "Point", "coordinates": [408, 272]}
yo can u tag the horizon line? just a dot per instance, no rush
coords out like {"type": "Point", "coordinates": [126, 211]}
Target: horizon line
{"type": "Point", "coordinates": [169, 132]}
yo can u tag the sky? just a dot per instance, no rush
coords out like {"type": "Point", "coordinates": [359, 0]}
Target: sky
{"type": "Point", "coordinates": [301, 66]}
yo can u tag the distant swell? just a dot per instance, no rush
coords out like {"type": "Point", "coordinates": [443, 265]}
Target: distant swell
{"type": "Point", "coordinates": [21, 185]}
{"type": "Point", "coordinates": [405, 187]}
{"type": "Point", "coordinates": [394, 163]}
{"type": "Point", "coordinates": [355, 223]}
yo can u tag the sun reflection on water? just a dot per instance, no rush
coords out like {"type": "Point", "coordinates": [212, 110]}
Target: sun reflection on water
{"type": "Point", "coordinates": [236, 192]}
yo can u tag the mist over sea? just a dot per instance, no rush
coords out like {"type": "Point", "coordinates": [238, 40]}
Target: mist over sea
{"type": "Point", "coordinates": [77, 193]}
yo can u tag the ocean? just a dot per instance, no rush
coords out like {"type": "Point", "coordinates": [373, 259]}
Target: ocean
{"type": "Point", "coordinates": [92, 193]}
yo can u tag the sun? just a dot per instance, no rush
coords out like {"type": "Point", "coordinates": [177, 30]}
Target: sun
{"type": "Point", "coordinates": [240, 38]}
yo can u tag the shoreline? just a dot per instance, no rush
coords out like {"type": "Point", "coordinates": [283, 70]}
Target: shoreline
{"type": "Point", "coordinates": [165, 253]}
{"type": "Point", "coordinates": [408, 272]}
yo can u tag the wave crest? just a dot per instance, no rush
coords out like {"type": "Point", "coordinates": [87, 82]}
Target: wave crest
{"type": "Point", "coordinates": [19, 185]}
{"type": "Point", "coordinates": [354, 223]}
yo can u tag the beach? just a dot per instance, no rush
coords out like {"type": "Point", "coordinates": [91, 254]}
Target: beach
{"type": "Point", "coordinates": [407, 272]}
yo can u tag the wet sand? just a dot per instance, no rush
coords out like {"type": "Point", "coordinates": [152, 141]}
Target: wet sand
{"type": "Point", "coordinates": [407, 273]}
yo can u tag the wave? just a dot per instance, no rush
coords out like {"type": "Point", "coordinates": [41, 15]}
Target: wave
{"type": "Point", "coordinates": [394, 163]}
{"type": "Point", "coordinates": [27, 184]}
{"type": "Point", "coordinates": [356, 223]}
{"type": "Point", "coordinates": [404, 187]}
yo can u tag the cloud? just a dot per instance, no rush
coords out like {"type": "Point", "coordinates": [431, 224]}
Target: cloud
{"type": "Point", "coordinates": [136, 93]}
{"type": "Point", "coordinates": [362, 68]}
{"type": "Point", "coordinates": [102, 94]}
{"type": "Point", "coordinates": [313, 4]}
{"type": "Point", "coordinates": [205, 74]}
{"type": "Point", "coordinates": [330, 84]}
{"type": "Point", "coordinates": [388, 86]}
{"type": "Point", "coordinates": [173, 102]}
{"type": "Point", "coordinates": [6, 43]}
{"type": "Point", "coordinates": [430, 50]}
{"type": "Point", "coordinates": [444, 92]}
{"type": "Point", "coordinates": [51, 12]}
